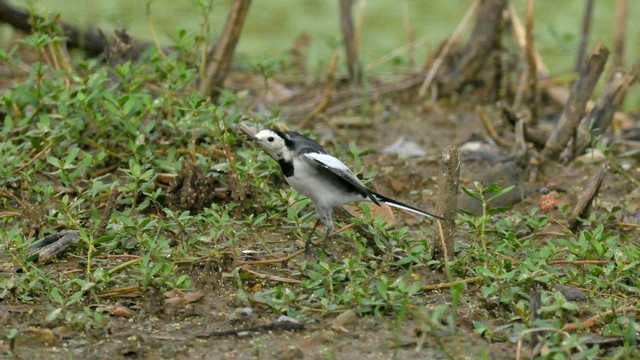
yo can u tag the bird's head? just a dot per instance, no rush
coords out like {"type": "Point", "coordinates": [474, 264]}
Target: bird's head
{"type": "Point", "coordinates": [276, 143]}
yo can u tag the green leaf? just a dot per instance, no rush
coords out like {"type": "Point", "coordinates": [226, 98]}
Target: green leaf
{"type": "Point", "coordinates": [75, 297]}
{"type": "Point", "coordinates": [366, 211]}
{"type": "Point", "coordinates": [56, 294]}
{"type": "Point", "coordinates": [54, 161]}
{"type": "Point", "coordinates": [498, 210]}
{"type": "Point", "coordinates": [629, 153]}
{"type": "Point", "coordinates": [128, 106]}
{"type": "Point", "coordinates": [155, 269]}
{"type": "Point", "coordinates": [54, 314]}
{"type": "Point", "coordinates": [12, 333]}
{"type": "Point", "coordinates": [480, 328]}
{"type": "Point", "coordinates": [382, 287]}
{"type": "Point", "coordinates": [73, 152]}
{"type": "Point", "coordinates": [497, 192]}
{"type": "Point", "coordinates": [88, 285]}
{"type": "Point", "coordinates": [181, 279]}
{"type": "Point", "coordinates": [8, 125]}
{"type": "Point", "coordinates": [484, 273]}
{"type": "Point", "coordinates": [414, 287]}
{"type": "Point", "coordinates": [471, 193]}
{"type": "Point", "coordinates": [492, 188]}
{"type": "Point", "coordinates": [146, 174]}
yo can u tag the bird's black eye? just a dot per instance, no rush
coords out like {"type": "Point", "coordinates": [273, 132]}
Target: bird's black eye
{"type": "Point", "coordinates": [270, 139]}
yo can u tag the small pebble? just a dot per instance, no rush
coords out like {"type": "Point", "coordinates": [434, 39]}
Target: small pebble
{"type": "Point", "coordinates": [404, 147]}
{"type": "Point", "coordinates": [626, 166]}
{"type": "Point", "coordinates": [247, 311]}
{"type": "Point", "coordinates": [571, 293]}
{"type": "Point", "coordinates": [287, 319]}
{"type": "Point", "coordinates": [346, 318]}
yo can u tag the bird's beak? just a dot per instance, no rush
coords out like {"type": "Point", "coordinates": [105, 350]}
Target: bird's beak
{"type": "Point", "coordinates": [252, 139]}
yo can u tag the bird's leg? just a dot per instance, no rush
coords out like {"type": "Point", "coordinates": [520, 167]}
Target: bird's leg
{"type": "Point", "coordinates": [324, 213]}
{"type": "Point", "coordinates": [307, 245]}
{"type": "Point", "coordinates": [327, 234]}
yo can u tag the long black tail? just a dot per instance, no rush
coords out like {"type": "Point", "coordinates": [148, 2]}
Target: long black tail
{"type": "Point", "coordinates": [399, 205]}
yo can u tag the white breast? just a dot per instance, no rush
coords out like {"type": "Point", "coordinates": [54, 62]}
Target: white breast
{"type": "Point", "coordinates": [307, 181]}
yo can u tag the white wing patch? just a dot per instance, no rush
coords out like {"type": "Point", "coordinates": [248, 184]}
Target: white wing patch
{"type": "Point", "coordinates": [340, 170]}
{"type": "Point", "coordinates": [328, 161]}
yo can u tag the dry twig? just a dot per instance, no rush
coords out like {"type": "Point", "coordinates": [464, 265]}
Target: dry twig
{"type": "Point", "coordinates": [530, 57]}
{"type": "Point", "coordinates": [606, 105]}
{"type": "Point", "coordinates": [447, 47]}
{"type": "Point", "coordinates": [273, 277]}
{"type": "Point", "coordinates": [446, 203]}
{"type": "Point", "coordinates": [582, 207]}
{"type": "Point", "coordinates": [558, 93]}
{"type": "Point", "coordinates": [328, 91]}
{"type": "Point", "coordinates": [622, 7]}
{"type": "Point", "coordinates": [450, 284]}
{"type": "Point", "coordinates": [213, 80]}
{"type": "Point", "coordinates": [584, 34]}
{"type": "Point", "coordinates": [89, 40]}
{"type": "Point", "coordinates": [259, 328]}
{"type": "Point", "coordinates": [592, 320]}
{"type": "Point", "coordinates": [106, 213]}
{"type": "Point", "coordinates": [348, 37]}
{"type": "Point", "coordinates": [54, 244]}
{"type": "Point", "coordinates": [484, 40]}
{"type": "Point", "coordinates": [575, 107]}
{"type": "Point", "coordinates": [490, 130]}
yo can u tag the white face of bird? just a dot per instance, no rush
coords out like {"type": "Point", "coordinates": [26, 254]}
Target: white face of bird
{"type": "Point", "coordinates": [272, 143]}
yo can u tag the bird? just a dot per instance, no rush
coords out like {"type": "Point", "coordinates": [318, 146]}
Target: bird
{"type": "Point", "coordinates": [323, 178]}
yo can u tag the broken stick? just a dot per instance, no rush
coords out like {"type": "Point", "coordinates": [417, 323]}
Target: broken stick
{"type": "Point", "coordinates": [444, 52]}
{"type": "Point", "coordinates": [584, 34]}
{"type": "Point", "coordinates": [287, 326]}
{"type": "Point", "coordinates": [575, 107]}
{"type": "Point", "coordinates": [217, 69]}
{"type": "Point", "coordinates": [90, 40]}
{"type": "Point", "coordinates": [479, 47]}
{"type": "Point", "coordinates": [558, 93]}
{"type": "Point", "coordinates": [622, 8]}
{"type": "Point", "coordinates": [581, 210]}
{"type": "Point", "coordinates": [53, 244]}
{"type": "Point", "coordinates": [608, 102]}
{"type": "Point", "coordinates": [447, 203]}
{"type": "Point", "coordinates": [349, 39]}
{"type": "Point", "coordinates": [530, 56]}
{"type": "Point", "coordinates": [328, 91]}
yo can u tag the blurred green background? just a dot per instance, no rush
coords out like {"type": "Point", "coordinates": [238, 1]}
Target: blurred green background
{"type": "Point", "coordinates": [273, 25]}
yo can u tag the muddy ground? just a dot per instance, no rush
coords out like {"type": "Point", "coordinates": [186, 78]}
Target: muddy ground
{"type": "Point", "coordinates": [157, 329]}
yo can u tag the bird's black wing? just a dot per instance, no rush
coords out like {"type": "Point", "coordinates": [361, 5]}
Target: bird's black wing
{"type": "Point", "coordinates": [326, 162]}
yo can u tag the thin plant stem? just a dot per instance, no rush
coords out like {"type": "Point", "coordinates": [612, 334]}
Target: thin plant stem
{"type": "Point", "coordinates": [152, 28]}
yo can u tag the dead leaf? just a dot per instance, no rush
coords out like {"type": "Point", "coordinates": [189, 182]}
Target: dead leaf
{"type": "Point", "coordinates": [176, 296]}
{"type": "Point", "coordinates": [119, 311]}
{"type": "Point", "coordinates": [346, 318]}
{"type": "Point", "coordinates": [34, 336]}
{"type": "Point", "coordinates": [256, 288]}
{"type": "Point", "coordinates": [63, 332]}
{"type": "Point", "coordinates": [547, 202]}
{"type": "Point", "coordinates": [397, 185]}
{"type": "Point", "coordinates": [634, 200]}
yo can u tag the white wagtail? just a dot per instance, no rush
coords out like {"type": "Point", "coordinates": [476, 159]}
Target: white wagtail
{"type": "Point", "coordinates": [311, 170]}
